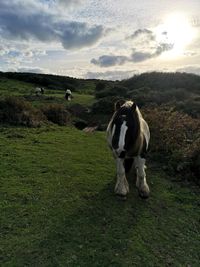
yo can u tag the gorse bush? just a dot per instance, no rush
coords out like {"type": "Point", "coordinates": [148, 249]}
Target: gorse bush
{"type": "Point", "coordinates": [190, 106]}
{"type": "Point", "coordinates": [16, 111]}
{"type": "Point", "coordinates": [175, 129]}
{"type": "Point", "coordinates": [175, 136]}
{"type": "Point", "coordinates": [57, 113]}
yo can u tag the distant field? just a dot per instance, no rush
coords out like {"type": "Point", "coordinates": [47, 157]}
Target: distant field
{"type": "Point", "coordinates": [14, 87]}
{"type": "Point", "coordinates": [58, 208]}
{"type": "Point", "coordinates": [10, 87]}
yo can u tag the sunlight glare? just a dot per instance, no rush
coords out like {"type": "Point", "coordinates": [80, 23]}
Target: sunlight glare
{"type": "Point", "coordinates": [176, 30]}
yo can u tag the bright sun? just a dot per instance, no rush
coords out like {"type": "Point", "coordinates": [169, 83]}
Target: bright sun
{"type": "Point", "coordinates": [176, 30]}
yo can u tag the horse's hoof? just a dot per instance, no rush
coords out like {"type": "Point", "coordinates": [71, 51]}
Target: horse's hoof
{"type": "Point", "coordinates": [144, 194]}
{"type": "Point", "coordinates": [121, 191]}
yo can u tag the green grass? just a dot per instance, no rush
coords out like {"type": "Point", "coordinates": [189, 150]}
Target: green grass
{"type": "Point", "coordinates": [10, 87]}
{"type": "Point", "coordinates": [13, 87]}
{"type": "Point", "coordinates": [58, 207]}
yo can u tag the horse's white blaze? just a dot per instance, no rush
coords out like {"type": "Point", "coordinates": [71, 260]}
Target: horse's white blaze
{"type": "Point", "coordinates": [122, 135]}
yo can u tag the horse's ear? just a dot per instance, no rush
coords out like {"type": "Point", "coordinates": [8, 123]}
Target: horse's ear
{"type": "Point", "coordinates": [117, 105]}
{"type": "Point", "coordinates": [134, 106]}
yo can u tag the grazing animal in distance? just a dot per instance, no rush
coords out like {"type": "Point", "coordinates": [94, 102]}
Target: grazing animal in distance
{"type": "Point", "coordinates": [39, 91]}
{"type": "Point", "coordinates": [128, 137]}
{"type": "Point", "coordinates": [68, 95]}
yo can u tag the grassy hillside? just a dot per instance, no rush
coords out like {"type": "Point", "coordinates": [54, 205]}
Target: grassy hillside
{"type": "Point", "coordinates": [180, 90]}
{"type": "Point", "coordinates": [164, 81]}
{"type": "Point", "coordinates": [58, 207]}
{"type": "Point", "coordinates": [53, 82]}
{"type": "Point", "coordinates": [11, 87]}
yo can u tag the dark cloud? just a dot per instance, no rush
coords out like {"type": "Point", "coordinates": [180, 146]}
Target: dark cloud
{"type": "Point", "coordinates": [163, 47]}
{"type": "Point", "coordinates": [77, 35]}
{"type": "Point", "coordinates": [142, 56]}
{"type": "Point", "coordinates": [110, 75]}
{"type": "Point", "coordinates": [146, 48]}
{"type": "Point", "coordinates": [137, 56]}
{"type": "Point", "coordinates": [27, 22]}
{"type": "Point", "coordinates": [109, 60]}
{"type": "Point", "coordinates": [142, 32]}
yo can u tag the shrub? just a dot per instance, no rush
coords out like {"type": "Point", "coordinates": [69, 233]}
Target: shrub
{"type": "Point", "coordinates": [112, 91]}
{"type": "Point", "coordinates": [57, 113]}
{"type": "Point", "coordinates": [190, 106]}
{"type": "Point", "coordinates": [175, 136]}
{"type": "Point", "coordinates": [100, 86]}
{"type": "Point", "coordinates": [105, 105]}
{"type": "Point", "coordinates": [17, 111]}
{"type": "Point", "coordinates": [77, 109]}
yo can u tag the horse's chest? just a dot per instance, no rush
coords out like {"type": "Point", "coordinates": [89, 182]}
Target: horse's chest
{"type": "Point", "coordinates": [134, 147]}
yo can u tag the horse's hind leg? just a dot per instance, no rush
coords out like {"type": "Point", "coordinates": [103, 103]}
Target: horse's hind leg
{"type": "Point", "coordinates": [141, 182]}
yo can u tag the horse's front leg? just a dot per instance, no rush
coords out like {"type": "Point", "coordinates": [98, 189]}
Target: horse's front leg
{"type": "Point", "coordinates": [121, 187]}
{"type": "Point", "coordinates": [141, 182]}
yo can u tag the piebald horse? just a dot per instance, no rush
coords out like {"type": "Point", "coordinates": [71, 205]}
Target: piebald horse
{"type": "Point", "coordinates": [39, 91]}
{"type": "Point", "coordinates": [68, 95]}
{"type": "Point", "coordinates": [128, 137]}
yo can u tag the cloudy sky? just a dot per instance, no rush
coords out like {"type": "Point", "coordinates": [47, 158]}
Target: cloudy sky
{"type": "Point", "coordinates": [107, 39]}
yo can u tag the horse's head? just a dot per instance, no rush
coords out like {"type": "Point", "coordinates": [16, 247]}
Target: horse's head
{"type": "Point", "coordinates": [124, 113]}
{"type": "Point", "coordinates": [123, 125]}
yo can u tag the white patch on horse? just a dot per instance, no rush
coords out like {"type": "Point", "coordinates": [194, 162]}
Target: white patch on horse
{"type": "Point", "coordinates": [141, 182]}
{"type": "Point", "coordinates": [122, 135]}
{"type": "Point", "coordinates": [128, 104]}
{"type": "Point", "coordinates": [122, 186]}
